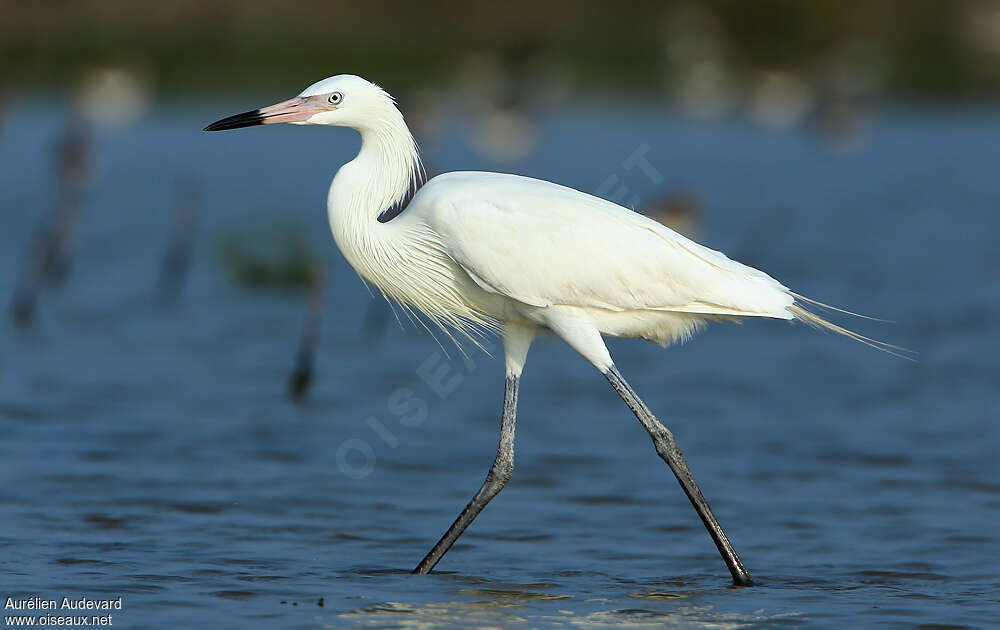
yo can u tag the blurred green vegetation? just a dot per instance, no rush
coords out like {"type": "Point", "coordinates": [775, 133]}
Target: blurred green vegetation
{"type": "Point", "coordinates": [925, 48]}
{"type": "Point", "coordinates": [270, 257]}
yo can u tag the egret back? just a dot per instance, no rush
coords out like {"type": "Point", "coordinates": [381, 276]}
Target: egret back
{"type": "Point", "coordinates": [547, 245]}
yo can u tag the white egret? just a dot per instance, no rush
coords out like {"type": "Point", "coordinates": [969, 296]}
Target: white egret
{"type": "Point", "coordinates": [488, 252]}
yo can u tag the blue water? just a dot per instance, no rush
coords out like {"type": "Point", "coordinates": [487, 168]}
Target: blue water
{"type": "Point", "coordinates": [150, 451]}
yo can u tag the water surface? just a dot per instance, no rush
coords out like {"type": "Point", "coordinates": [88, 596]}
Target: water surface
{"type": "Point", "coordinates": [151, 452]}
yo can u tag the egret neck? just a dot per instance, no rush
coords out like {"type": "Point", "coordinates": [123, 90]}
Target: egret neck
{"type": "Point", "coordinates": [404, 258]}
{"type": "Point", "coordinates": [385, 169]}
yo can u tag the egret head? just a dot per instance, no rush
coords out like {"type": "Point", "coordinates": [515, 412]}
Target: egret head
{"type": "Point", "coordinates": [344, 100]}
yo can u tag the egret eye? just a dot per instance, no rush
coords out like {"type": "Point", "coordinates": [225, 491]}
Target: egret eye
{"type": "Point", "coordinates": [335, 98]}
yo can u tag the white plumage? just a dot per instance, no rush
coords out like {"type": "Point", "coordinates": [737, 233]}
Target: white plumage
{"type": "Point", "coordinates": [542, 245]}
{"type": "Point", "coordinates": [481, 252]}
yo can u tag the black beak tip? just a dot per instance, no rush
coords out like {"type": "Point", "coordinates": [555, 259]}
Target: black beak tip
{"type": "Point", "coordinates": [246, 119]}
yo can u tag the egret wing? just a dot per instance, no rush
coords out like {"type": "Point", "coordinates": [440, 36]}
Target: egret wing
{"type": "Point", "coordinates": [544, 244]}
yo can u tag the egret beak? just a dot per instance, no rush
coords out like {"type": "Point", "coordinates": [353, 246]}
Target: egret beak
{"type": "Point", "coordinates": [296, 110]}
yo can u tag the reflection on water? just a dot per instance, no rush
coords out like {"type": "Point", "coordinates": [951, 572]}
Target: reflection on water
{"type": "Point", "coordinates": [531, 605]}
{"type": "Point", "coordinates": [149, 448]}
{"type": "Point", "coordinates": [500, 614]}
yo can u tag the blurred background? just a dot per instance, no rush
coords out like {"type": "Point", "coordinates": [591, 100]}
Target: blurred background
{"type": "Point", "coordinates": [203, 409]}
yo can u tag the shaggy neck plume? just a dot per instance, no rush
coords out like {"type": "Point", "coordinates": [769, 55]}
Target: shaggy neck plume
{"type": "Point", "coordinates": [385, 170]}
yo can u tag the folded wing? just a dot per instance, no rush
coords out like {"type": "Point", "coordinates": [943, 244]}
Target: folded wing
{"type": "Point", "coordinates": [544, 244]}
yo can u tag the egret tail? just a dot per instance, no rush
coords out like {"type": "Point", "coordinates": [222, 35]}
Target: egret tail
{"type": "Point", "coordinates": [812, 319]}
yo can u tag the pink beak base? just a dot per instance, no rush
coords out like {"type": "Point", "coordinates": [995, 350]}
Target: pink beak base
{"type": "Point", "coordinates": [297, 109]}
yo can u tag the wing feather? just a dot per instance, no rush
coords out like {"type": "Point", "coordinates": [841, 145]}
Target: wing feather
{"type": "Point", "coordinates": [544, 244]}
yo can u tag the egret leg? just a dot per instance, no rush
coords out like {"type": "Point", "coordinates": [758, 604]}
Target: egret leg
{"type": "Point", "coordinates": [500, 472]}
{"type": "Point", "coordinates": [670, 452]}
